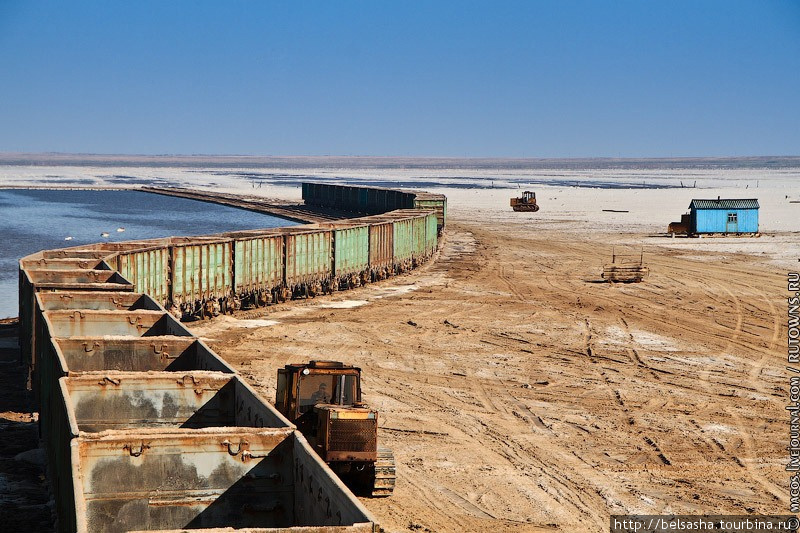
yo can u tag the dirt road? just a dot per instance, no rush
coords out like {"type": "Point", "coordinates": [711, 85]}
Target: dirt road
{"type": "Point", "coordinates": [520, 393]}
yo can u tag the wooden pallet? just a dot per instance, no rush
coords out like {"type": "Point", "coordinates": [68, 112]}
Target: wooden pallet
{"type": "Point", "coordinates": [617, 273]}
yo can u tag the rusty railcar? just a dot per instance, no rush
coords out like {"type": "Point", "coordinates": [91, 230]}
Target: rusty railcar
{"type": "Point", "coordinates": [232, 460]}
{"type": "Point", "coordinates": [96, 300]}
{"type": "Point", "coordinates": [33, 281]}
{"type": "Point", "coordinates": [78, 279]}
{"type": "Point", "coordinates": [75, 300]}
{"type": "Point", "coordinates": [86, 326]}
{"type": "Point", "coordinates": [424, 234]}
{"type": "Point", "coordinates": [381, 249]}
{"type": "Point", "coordinates": [134, 354]}
{"type": "Point", "coordinates": [91, 323]}
{"type": "Point", "coordinates": [274, 483]}
{"type": "Point", "coordinates": [88, 351]}
{"type": "Point", "coordinates": [67, 263]}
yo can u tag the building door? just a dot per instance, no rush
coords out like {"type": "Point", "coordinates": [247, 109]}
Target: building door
{"type": "Point", "coordinates": [733, 223]}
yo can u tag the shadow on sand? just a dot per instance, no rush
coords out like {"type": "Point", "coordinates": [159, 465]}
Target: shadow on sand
{"type": "Point", "coordinates": [24, 497]}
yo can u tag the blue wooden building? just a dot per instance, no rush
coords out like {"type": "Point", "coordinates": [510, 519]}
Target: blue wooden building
{"type": "Point", "coordinates": [723, 216]}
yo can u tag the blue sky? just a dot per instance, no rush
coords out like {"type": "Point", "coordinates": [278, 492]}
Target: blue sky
{"type": "Point", "coordinates": [461, 79]}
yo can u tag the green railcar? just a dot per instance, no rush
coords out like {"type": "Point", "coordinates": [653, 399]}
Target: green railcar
{"type": "Point", "coordinates": [351, 245]}
{"type": "Point", "coordinates": [403, 242]}
{"type": "Point", "coordinates": [431, 233]}
{"type": "Point", "coordinates": [148, 270]}
{"type": "Point", "coordinates": [418, 249]}
{"type": "Point", "coordinates": [258, 264]}
{"type": "Point", "coordinates": [381, 247]}
{"type": "Point", "coordinates": [201, 272]}
{"type": "Point", "coordinates": [435, 202]}
{"type": "Point", "coordinates": [308, 257]}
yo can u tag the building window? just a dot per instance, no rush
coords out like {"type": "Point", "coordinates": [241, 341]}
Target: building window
{"type": "Point", "coordinates": [733, 218]}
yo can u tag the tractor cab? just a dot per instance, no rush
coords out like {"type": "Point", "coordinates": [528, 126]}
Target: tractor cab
{"type": "Point", "coordinates": [301, 387]}
{"type": "Point", "coordinates": [323, 398]}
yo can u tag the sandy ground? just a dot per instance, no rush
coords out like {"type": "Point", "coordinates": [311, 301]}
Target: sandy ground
{"type": "Point", "coordinates": [520, 393]}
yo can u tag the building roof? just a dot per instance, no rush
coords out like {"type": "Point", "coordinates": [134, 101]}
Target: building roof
{"type": "Point", "coordinates": [736, 203]}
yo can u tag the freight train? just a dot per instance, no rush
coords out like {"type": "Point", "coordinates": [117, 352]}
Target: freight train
{"type": "Point", "coordinates": [225, 272]}
{"type": "Point", "coordinates": [145, 427]}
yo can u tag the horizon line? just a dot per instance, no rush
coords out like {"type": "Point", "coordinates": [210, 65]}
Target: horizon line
{"type": "Point", "coordinates": [56, 154]}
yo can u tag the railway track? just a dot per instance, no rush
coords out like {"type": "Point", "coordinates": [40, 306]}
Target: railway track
{"type": "Point", "coordinates": [297, 212]}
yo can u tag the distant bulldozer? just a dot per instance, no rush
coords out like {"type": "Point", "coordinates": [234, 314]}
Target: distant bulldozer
{"type": "Point", "coordinates": [623, 269]}
{"type": "Point", "coordinates": [526, 202]}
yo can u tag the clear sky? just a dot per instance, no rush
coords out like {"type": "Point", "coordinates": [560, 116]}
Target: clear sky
{"type": "Point", "coordinates": [461, 78]}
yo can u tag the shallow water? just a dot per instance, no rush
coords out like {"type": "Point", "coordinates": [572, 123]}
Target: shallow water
{"type": "Point", "coordinates": [33, 220]}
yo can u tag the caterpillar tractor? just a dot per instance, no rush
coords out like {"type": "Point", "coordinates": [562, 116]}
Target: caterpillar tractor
{"type": "Point", "coordinates": [323, 398]}
{"type": "Point", "coordinates": [526, 202]}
